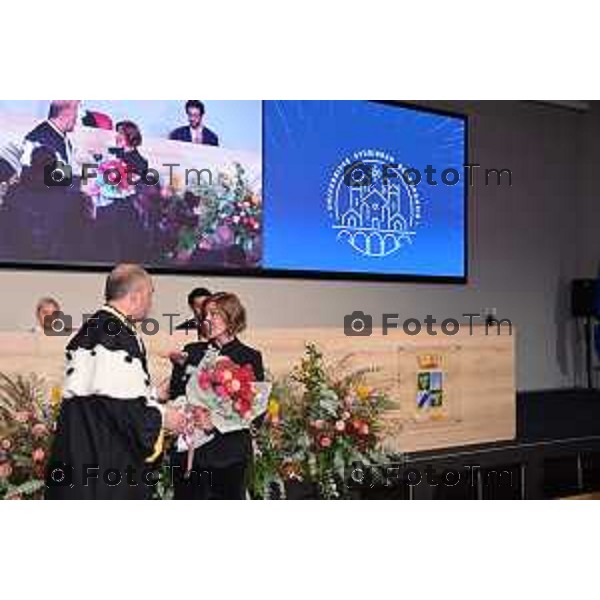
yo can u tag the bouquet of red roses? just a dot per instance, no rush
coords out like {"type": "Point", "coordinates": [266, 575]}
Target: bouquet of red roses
{"type": "Point", "coordinates": [232, 385]}
{"type": "Point", "coordinates": [225, 391]}
{"type": "Point", "coordinates": [114, 181]}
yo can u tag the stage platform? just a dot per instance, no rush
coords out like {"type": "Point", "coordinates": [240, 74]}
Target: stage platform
{"type": "Point", "coordinates": [556, 454]}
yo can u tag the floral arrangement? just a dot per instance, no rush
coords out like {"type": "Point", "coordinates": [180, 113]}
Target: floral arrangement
{"type": "Point", "coordinates": [319, 423]}
{"type": "Point", "coordinates": [113, 182]}
{"type": "Point", "coordinates": [27, 421]}
{"type": "Point", "coordinates": [227, 386]}
{"type": "Point", "coordinates": [229, 392]}
{"type": "Point", "coordinates": [212, 215]}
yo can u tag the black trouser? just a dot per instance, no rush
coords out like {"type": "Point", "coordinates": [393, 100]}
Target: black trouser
{"type": "Point", "coordinates": [207, 482]}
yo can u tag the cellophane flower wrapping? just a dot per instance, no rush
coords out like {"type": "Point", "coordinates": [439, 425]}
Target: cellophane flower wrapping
{"type": "Point", "coordinates": [229, 392]}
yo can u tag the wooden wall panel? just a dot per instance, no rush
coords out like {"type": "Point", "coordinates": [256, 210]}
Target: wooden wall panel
{"type": "Point", "coordinates": [479, 384]}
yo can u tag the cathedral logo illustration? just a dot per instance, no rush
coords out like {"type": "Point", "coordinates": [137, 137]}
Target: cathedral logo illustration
{"type": "Point", "coordinates": [372, 206]}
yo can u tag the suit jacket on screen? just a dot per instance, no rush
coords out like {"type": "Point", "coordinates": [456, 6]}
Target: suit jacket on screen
{"type": "Point", "coordinates": [184, 134]}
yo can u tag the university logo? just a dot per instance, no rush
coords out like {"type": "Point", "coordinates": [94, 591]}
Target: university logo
{"type": "Point", "coordinates": [372, 206]}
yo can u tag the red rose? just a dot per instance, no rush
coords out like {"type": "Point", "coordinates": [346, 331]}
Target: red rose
{"type": "Point", "coordinates": [204, 380]}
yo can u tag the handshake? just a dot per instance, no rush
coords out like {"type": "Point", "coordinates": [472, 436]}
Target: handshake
{"type": "Point", "coordinates": [180, 421]}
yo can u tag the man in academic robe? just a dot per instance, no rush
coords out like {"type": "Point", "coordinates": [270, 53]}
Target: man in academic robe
{"type": "Point", "coordinates": [110, 427]}
{"type": "Point", "coordinates": [46, 223]}
{"type": "Point", "coordinates": [195, 132]}
{"type": "Point", "coordinates": [53, 133]}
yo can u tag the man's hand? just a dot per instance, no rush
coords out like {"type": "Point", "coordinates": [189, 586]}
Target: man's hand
{"type": "Point", "coordinates": [174, 420]}
{"type": "Point", "coordinates": [162, 389]}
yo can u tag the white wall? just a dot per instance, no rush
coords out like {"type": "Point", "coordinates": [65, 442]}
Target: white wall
{"type": "Point", "coordinates": [524, 249]}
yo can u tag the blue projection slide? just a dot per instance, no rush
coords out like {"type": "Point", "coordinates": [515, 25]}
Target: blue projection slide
{"type": "Point", "coordinates": [342, 191]}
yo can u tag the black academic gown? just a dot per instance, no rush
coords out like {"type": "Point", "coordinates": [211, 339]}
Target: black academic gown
{"type": "Point", "coordinates": [220, 466]}
{"type": "Point", "coordinates": [47, 136]}
{"type": "Point", "coordinates": [108, 427]}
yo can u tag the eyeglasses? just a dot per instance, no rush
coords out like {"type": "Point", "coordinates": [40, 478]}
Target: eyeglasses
{"type": "Point", "coordinates": [211, 314]}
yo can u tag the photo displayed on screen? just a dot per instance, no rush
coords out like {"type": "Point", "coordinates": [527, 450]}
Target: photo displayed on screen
{"type": "Point", "coordinates": [172, 184]}
{"type": "Point", "coordinates": [341, 188]}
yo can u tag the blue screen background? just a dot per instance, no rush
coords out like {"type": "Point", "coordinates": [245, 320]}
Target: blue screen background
{"type": "Point", "coordinates": [304, 142]}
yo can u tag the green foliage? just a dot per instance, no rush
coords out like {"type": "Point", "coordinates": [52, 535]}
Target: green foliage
{"type": "Point", "coordinates": [27, 417]}
{"type": "Point", "coordinates": [321, 420]}
{"type": "Point", "coordinates": [214, 213]}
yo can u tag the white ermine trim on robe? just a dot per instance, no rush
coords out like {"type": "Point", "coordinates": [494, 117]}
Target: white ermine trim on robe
{"type": "Point", "coordinates": [103, 372]}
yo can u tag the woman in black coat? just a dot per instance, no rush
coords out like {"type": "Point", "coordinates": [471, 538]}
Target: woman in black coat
{"type": "Point", "coordinates": [221, 466]}
{"type": "Point", "coordinates": [121, 236]}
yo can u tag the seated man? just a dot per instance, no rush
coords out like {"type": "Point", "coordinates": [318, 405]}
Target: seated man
{"type": "Point", "coordinates": [195, 299]}
{"type": "Point", "coordinates": [46, 316]}
{"type": "Point", "coordinates": [195, 132]}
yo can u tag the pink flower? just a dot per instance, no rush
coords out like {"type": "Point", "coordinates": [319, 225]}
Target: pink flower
{"type": "Point", "coordinates": [6, 444]}
{"type": "Point", "coordinates": [236, 385]}
{"type": "Point", "coordinates": [224, 235]}
{"type": "Point", "coordinates": [364, 429]}
{"type": "Point", "coordinates": [38, 455]}
{"type": "Point", "coordinates": [22, 416]}
{"type": "Point", "coordinates": [5, 471]}
{"type": "Point", "coordinates": [39, 430]}
{"type": "Point", "coordinates": [184, 255]}
{"type": "Point", "coordinates": [346, 415]}
{"type": "Point", "coordinates": [92, 188]}
{"type": "Point", "coordinates": [319, 424]}
{"type": "Point", "coordinates": [221, 391]}
{"type": "Point", "coordinates": [340, 426]}
{"type": "Point", "coordinates": [325, 442]}
{"type": "Point", "coordinates": [243, 406]}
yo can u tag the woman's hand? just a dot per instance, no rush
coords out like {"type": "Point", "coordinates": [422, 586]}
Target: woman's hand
{"type": "Point", "coordinates": [174, 420]}
{"type": "Point", "coordinates": [202, 419]}
{"type": "Point", "coordinates": [178, 357]}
